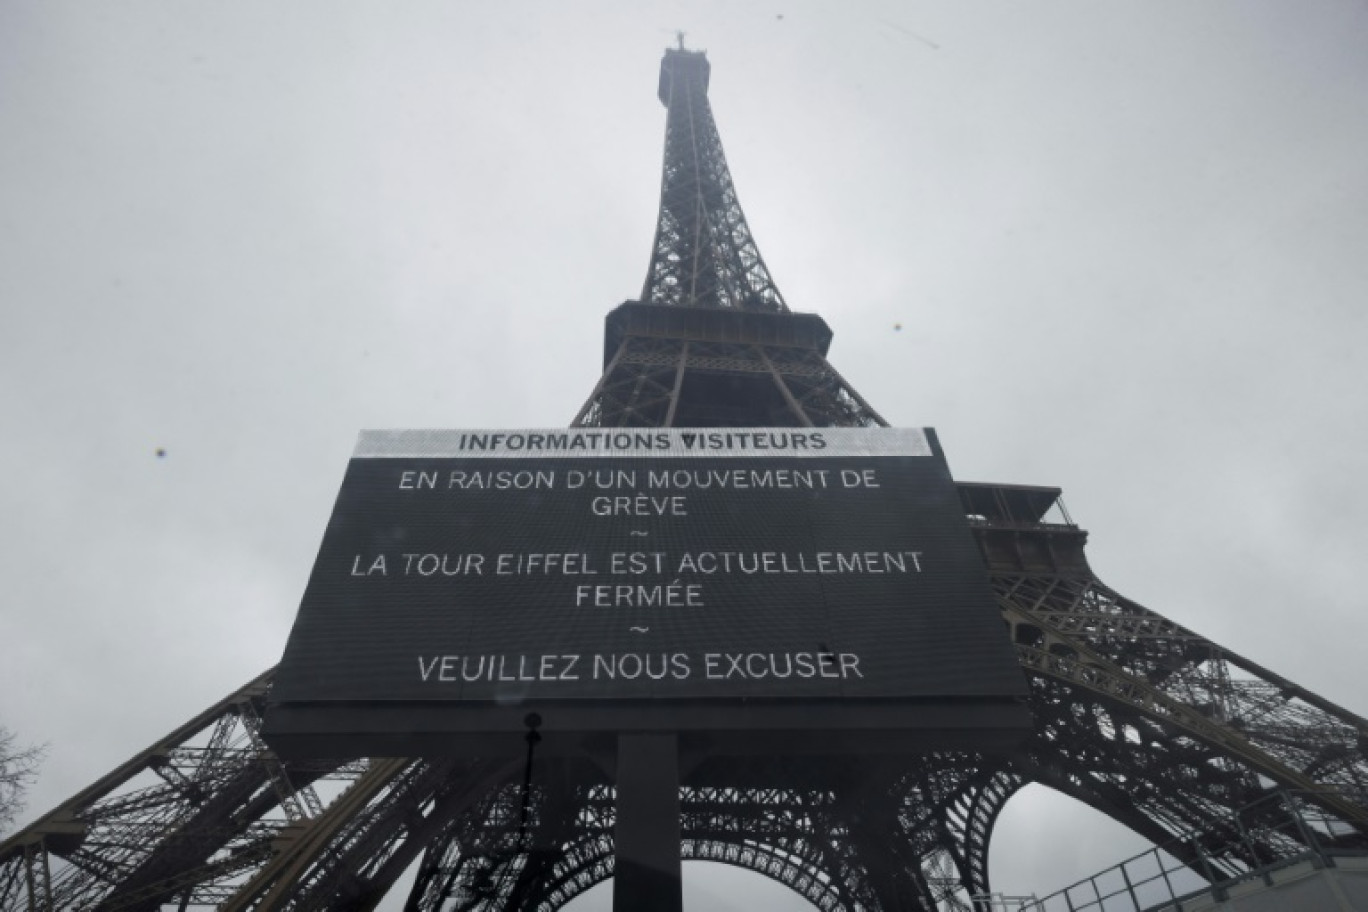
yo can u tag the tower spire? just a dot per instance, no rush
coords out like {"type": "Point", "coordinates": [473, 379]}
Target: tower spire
{"type": "Point", "coordinates": [711, 342]}
{"type": "Point", "coordinates": [703, 254]}
{"type": "Point", "coordinates": [1136, 716]}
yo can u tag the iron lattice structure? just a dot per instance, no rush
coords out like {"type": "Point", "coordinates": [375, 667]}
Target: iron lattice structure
{"type": "Point", "coordinates": [1134, 715]}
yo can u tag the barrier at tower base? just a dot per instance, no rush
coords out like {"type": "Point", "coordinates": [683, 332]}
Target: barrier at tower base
{"type": "Point", "coordinates": [1280, 852]}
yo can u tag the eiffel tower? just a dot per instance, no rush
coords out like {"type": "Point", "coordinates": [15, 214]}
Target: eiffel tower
{"type": "Point", "coordinates": [1133, 714]}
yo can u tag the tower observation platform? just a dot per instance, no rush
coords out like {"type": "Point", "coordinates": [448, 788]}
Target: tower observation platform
{"type": "Point", "coordinates": [1111, 703]}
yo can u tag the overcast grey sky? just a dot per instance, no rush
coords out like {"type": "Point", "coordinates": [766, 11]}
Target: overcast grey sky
{"type": "Point", "coordinates": [1125, 244]}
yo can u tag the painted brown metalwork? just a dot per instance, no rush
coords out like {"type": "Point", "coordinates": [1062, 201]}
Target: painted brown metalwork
{"type": "Point", "coordinates": [1134, 715]}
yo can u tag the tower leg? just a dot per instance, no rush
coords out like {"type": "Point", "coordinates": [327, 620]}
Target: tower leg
{"type": "Point", "coordinates": [647, 835]}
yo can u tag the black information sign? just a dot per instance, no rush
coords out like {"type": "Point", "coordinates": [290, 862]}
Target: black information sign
{"type": "Point", "coordinates": [629, 579]}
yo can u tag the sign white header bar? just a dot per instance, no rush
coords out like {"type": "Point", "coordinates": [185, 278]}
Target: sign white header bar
{"type": "Point", "coordinates": [641, 443]}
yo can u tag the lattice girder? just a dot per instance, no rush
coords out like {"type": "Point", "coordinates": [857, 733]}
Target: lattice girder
{"type": "Point", "coordinates": [1102, 742]}
{"type": "Point", "coordinates": [742, 827]}
{"type": "Point", "coordinates": [186, 819]}
{"type": "Point", "coordinates": [1079, 631]}
{"type": "Point", "coordinates": [653, 382]}
{"type": "Point", "coordinates": [1136, 716]}
{"type": "Point", "coordinates": [703, 254]}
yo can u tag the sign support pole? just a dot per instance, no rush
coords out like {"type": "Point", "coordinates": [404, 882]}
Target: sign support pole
{"type": "Point", "coordinates": [647, 836]}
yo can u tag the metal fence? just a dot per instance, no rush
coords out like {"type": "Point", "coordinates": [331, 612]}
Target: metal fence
{"type": "Point", "coordinates": [1282, 829]}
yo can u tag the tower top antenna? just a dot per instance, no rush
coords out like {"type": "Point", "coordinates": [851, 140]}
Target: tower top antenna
{"type": "Point", "coordinates": [703, 254]}
{"type": "Point", "coordinates": [679, 36]}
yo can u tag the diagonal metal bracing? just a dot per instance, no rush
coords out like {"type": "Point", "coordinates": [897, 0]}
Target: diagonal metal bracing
{"type": "Point", "coordinates": [703, 254]}
{"type": "Point", "coordinates": [1193, 686]}
{"type": "Point", "coordinates": [1134, 715]}
{"type": "Point", "coordinates": [972, 819]}
{"type": "Point", "coordinates": [1101, 743]}
{"type": "Point", "coordinates": [653, 382]}
{"type": "Point", "coordinates": [194, 811]}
